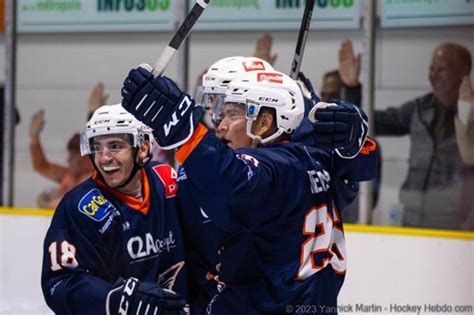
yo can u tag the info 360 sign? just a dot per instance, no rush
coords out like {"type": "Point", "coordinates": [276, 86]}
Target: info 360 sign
{"type": "Point", "coordinates": [159, 15]}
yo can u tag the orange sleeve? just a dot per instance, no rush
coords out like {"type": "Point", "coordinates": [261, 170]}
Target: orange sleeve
{"type": "Point", "coordinates": [369, 146]}
{"type": "Point", "coordinates": [186, 149]}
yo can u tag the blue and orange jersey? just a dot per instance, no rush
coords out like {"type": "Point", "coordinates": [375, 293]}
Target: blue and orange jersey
{"type": "Point", "coordinates": [98, 235]}
{"type": "Point", "coordinates": [277, 209]}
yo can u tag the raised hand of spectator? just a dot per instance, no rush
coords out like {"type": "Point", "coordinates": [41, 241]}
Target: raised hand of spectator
{"type": "Point", "coordinates": [97, 98]}
{"type": "Point", "coordinates": [36, 125]}
{"type": "Point", "coordinates": [349, 64]}
{"type": "Point", "coordinates": [466, 90]}
{"type": "Point", "coordinates": [263, 49]}
{"type": "Point", "coordinates": [466, 99]}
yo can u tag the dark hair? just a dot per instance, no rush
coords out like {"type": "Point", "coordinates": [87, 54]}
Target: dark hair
{"type": "Point", "coordinates": [333, 73]}
{"type": "Point", "coordinates": [74, 143]}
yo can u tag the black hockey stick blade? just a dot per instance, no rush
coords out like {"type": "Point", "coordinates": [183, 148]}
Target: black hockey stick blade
{"type": "Point", "coordinates": [180, 36]}
{"type": "Point", "coordinates": [303, 34]}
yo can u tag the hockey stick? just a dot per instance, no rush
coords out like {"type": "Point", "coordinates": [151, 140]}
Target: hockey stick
{"type": "Point", "coordinates": [303, 34]}
{"type": "Point", "coordinates": [180, 36]}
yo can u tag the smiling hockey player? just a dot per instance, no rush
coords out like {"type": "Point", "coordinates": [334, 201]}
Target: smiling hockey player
{"type": "Point", "coordinates": [114, 245]}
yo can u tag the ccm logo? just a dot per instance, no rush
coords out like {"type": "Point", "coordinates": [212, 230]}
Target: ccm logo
{"type": "Point", "coordinates": [254, 66]}
{"type": "Point", "coordinates": [268, 99]}
{"type": "Point", "coordinates": [270, 77]}
{"type": "Point", "coordinates": [183, 107]}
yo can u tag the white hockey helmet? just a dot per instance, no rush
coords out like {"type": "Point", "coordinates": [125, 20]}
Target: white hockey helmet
{"type": "Point", "coordinates": [114, 119]}
{"type": "Point", "coordinates": [217, 78]}
{"type": "Point", "coordinates": [270, 89]}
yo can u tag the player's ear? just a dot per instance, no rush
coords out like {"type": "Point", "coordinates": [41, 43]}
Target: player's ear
{"type": "Point", "coordinates": [143, 151]}
{"type": "Point", "coordinates": [264, 125]}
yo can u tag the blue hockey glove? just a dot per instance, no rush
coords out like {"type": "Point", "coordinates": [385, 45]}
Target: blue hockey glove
{"type": "Point", "coordinates": [160, 104]}
{"type": "Point", "coordinates": [132, 296]}
{"type": "Point", "coordinates": [339, 126]}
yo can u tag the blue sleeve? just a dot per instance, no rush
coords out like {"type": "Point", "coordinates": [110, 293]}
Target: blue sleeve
{"type": "Point", "coordinates": [72, 268]}
{"type": "Point", "coordinates": [230, 181]}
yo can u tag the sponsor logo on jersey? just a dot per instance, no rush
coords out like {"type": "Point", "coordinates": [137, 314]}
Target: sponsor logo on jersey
{"type": "Point", "coordinates": [167, 175]}
{"type": "Point", "coordinates": [95, 205]}
{"type": "Point", "coordinates": [109, 221]}
{"type": "Point", "coordinates": [146, 247]}
{"type": "Point", "coordinates": [253, 66]}
{"type": "Point", "coordinates": [270, 77]}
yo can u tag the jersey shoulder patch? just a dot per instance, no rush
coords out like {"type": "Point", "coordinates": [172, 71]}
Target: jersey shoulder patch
{"type": "Point", "coordinates": [167, 175]}
{"type": "Point", "coordinates": [94, 205]}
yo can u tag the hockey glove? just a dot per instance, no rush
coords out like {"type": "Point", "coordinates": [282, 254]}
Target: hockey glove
{"type": "Point", "coordinates": [339, 126]}
{"type": "Point", "coordinates": [160, 104]}
{"type": "Point", "coordinates": [132, 296]}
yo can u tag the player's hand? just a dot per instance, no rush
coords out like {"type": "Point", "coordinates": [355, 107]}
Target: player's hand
{"type": "Point", "coordinates": [160, 104]}
{"type": "Point", "coordinates": [339, 126]}
{"type": "Point", "coordinates": [263, 49]}
{"type": "Point", "coordinates": [349, 64]}
{"type": "Point", "coordinates": [37, 125]}
{"type": "Point", "coordinates": [97, 98]}
{"type": "Point", "coordinates": [132, 296]}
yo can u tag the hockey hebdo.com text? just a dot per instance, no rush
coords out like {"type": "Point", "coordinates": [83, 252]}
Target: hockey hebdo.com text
{"type": "Point", "coordinates": [393, 308]}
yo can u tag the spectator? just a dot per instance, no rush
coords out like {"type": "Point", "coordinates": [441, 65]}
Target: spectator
{"type": "Point", "coordinates": [431, 192]}
{"type": "Point", "coordinates": [78, 168]}
{"type": "Point", "coordinates": [343, 84]}
{"type": "Point", "coordinates": [97, 98]}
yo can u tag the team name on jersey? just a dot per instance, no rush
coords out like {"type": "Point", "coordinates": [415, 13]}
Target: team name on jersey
{"type": "Point", "coordinates": [95, 205]}
{"type": "Point", "coordinates": [319, 181]}
{"type": "Point", "coordinates": [146, 247]}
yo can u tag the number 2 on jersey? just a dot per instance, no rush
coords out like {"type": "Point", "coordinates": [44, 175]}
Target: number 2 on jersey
{"type": "Point", "coordinates": [325, 243]}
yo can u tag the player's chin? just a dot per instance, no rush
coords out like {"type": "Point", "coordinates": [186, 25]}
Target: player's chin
{"type": "Point", "coordinates": [113, 181]}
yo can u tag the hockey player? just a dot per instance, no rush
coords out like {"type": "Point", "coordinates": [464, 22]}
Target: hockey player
{"type": "Point", "coordinates": [278, 203]}
{"type": "Point", "coordinates": [217, 78]}
{"type": "Point", "coordinates": [114, 245]}
{"type": "Point", "coordinates": [205, 237]}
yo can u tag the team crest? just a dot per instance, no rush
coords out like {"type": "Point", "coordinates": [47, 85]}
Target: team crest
{"type": "Point", "coordinates": [95, 206]}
